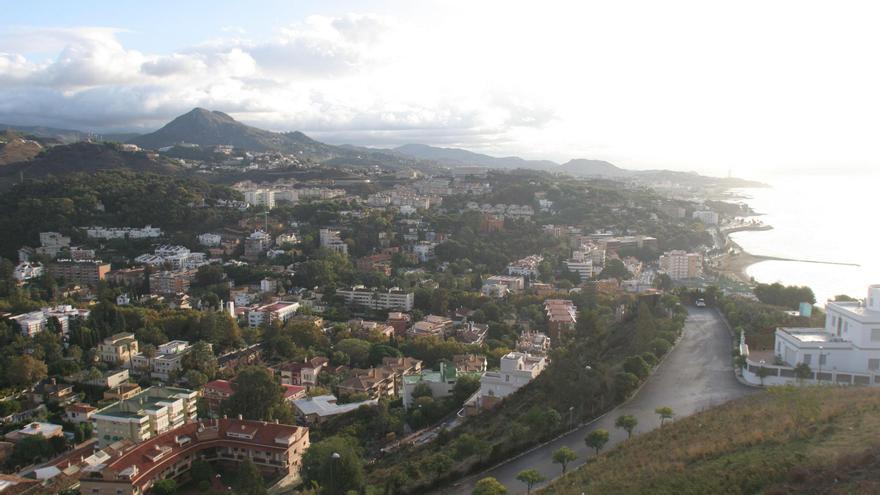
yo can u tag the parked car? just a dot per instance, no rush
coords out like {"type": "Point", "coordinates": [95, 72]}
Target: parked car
{"type": "Point", "coordinates": [701, 303]}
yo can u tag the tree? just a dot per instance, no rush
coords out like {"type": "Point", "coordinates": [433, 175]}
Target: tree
{"type": "Point", "coordinates": [530, 477]}
{"type": "Point", "coordinates": [164, 487]}
{"type": "Point", "coordinates": [201, 471]}
{"type": "Point", "coordinates": [201, 358]}
{"type": "Point", "coordinates": [597, 439]}
{"type": "Point", "coordinates": [195, 379]}
{"type": "Point", "coordinates": [763, 372]}
{"type": "Point", "coordinates": [249, 480]}
{"type": "Point", "coordinates": [563, 456]}
{"type": "Point", "coordinates": [802, 371]}
{"type": "Point", "coordinates": [24, 371]}
{"type": "Point", "coordinates": [334, 464]}
{"type": "Point", "coordinates": [357, 350]}
{"type": "Point", "coordinates": [258, 396]}
{"type": "Point", "coordinates": [627, 423]}
{"type": "Point", "coordinates": [489, 486]}
{"type": "Point", "coordinates": [665, 413]}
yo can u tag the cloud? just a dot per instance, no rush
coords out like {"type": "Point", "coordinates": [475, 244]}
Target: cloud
{"type": "Point", "coordinates": [346, 77]}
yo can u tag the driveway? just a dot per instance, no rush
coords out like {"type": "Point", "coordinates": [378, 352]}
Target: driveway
{"type": "Point", "coordinates": [697, 374]}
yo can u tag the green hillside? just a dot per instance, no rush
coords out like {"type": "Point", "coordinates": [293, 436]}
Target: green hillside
{"type": "Point", "coordinates": [785, 441]}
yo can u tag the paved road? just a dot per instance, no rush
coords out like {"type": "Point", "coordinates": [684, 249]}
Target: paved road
{"type": "Point", "coordinates": [696, 375]}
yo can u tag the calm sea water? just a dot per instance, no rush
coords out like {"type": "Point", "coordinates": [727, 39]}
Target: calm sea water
{"type": "Point", "coordinates": [822, 218]}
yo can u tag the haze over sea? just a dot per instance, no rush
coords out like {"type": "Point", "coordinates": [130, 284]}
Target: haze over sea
{"type": "Point", "coordinates": [821, 218]}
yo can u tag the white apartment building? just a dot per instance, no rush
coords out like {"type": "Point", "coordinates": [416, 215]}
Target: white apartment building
{"type": "Point", "coordinates": [123, 232]}
{"type": "Point", "coordinates": [583, 268]}
{"type": "Point", "coordinates": [52, 243]}
{"type": "Point", "coordinates": [167, 360]}
{"type": "Point", "coordinates": [118, 349]}
{"type": "Point", "coordinates": [331, 239]}
{"type": "Point", "coordinates": [681, 265]}
{"type": "Point", "coordinates": [424, 250]}
{"type": "Point", "coordinates": [35, 322]}
{"type": "Point", "coordinates": [707, 217]}
{"type": "Point", "coordinates": [27, 270]}
{"type": "Point", "coordinates": [394, 298]}
{"type": "Point", "coordinates": [209, 239]}
{"type": "Point", "coordinates": [501, 285]}
{"type": "Point", "coordinates": [177, 257]}
{"type": "Point", "coordinates": [260, 197]}
{"type": "Point", "coordinates": [145, 415]}
{"type": "Point", "coordinates": [517, 369]}
{"type": "Point", "coordinates": [526, 267]}
{"type": "Point", "coordinates": [277, 311]}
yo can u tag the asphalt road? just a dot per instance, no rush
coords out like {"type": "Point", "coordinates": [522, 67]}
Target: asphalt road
{"type": "Point", "coordinates": [697, 374]}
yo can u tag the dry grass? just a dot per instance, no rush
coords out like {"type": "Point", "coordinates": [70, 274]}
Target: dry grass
{"type": "Point", "coordinates": [743, 447]}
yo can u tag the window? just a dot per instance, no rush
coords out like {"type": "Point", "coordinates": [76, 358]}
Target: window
{"type": "Point", "coordinates": [808, 359]}
{"type": "Point", "coordinates": [874, 364]}
{"type": "Point", "coordinates": [875, 335]}
{"type": "Point", "coordinates": [823, 358]}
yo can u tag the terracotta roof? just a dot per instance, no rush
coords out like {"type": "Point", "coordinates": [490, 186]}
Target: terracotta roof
{"type": "Point", "coordinates": [154, 455]}
{"type": "Point", "coordinates": [292, 391]}
{"type": "Point", "coordinates": [222, 386]}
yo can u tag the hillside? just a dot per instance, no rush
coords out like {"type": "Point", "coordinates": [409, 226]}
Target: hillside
{"type": "Point", "coordinates": [582, 167]}
{"type": "Point", "coordinates": [15, 148]}
{"type": "Point", "coordinates": [211, 128]}
{"type": "Point", "coordinates": [463, 158]}
{"type": "Point", "coordinates": [786, 441]}
{"type": "Point", "coordinates": [84, 157]}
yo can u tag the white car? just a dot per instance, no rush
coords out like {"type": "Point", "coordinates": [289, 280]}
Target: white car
{"type": "Point", "coordinates": [700, 303]}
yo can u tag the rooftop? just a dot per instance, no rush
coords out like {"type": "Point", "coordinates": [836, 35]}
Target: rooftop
{"type": "Point", "coordinates": [325, 405]}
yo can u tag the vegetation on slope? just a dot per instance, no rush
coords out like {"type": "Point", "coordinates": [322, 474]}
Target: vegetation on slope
{"type": "Point", "coordinates": [773, 442]}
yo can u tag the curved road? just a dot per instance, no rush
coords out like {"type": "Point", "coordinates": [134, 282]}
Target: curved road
{"type": "Point", "coordinates": [697, 374]}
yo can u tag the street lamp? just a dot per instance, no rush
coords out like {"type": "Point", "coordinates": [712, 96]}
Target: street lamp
{"type": "Point", "coordinates": [334, 458]}
{"type": "Point", "coordinates": [819, 374]}
{"type": "Point", "coordinates": [570, 415]}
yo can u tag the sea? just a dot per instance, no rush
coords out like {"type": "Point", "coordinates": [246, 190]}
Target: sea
{"type": "Point", "coordinates": [817, 217]}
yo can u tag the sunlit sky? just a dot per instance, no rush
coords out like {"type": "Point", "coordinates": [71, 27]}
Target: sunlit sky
{"type": "Point", "coordinates": [747, 86]}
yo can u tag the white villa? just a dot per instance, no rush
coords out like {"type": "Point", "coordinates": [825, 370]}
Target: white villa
{"type": "Point", "coordinates": [846, 351]}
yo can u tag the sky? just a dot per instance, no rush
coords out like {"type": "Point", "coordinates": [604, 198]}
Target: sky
{"type": "Point", "coordinates": [750, 87]}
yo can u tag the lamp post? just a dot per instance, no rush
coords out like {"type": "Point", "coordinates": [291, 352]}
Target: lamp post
{"type": "Point", "coordinates": [819, 374]}
{"type": "Point", "coordinates": [334, 458]}
{"type": "Point", "coordinates": [570, 417]}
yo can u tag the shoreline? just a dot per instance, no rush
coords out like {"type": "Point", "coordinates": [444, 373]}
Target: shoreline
{"type": "Point", "coordinates": [735, 264]}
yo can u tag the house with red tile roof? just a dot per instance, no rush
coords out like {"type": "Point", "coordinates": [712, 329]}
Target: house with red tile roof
{"type": "Point", "coordinates": [217, 391]}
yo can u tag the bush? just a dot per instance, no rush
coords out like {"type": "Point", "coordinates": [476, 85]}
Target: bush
{"type": "Point", "coordinates": [637, 366]}
{"type": "Point", "coordinates": [660, 347]}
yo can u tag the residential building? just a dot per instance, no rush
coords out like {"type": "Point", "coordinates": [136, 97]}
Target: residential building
{"type": "Point", "coordinates": [174, 257]}
{"type": "Point", "coordinates": [432, 326]}
{"type": "Point", "coordinates": [35, 429]}
{"type": "Point", "coordinates": [561, 317]}
{"type": "Point", "coordinates": [27, 270]}
{"type": "Point", "coordinates": [469, 363]}
{"type": "Point", "coordinates": [274, 448]}
{"type": "Point", "coordinates": [79, 413]}
{"type": "Point", "coordinates": [169, 283]}
{"type": "Point", "coordinates": [681, 265]}
{"type": "Point", "coordinates": [123, 232]}
{"type": "Point", "coordinates": [52, 243]}
{"type": "Point", "coordinates": [210, 240]}
{"type": "Point", "coordinates": [303, 374]}
{"type": "Point", "coordinates": [317, 409]}
{"type": "Point", "coordinates": [384, 381]}
{"type": "Point", "coordinates": [30, 324]}
{"type": "Point", "coordinates": [277, 311]}
{"type": "Point", "coordinates": [501, 285]}
{"type": "Point", "coordinates": [393, 298]}
{"type": "Point", "coordinates": [261, 197]}
{"type": "Point", "coordinates": [534, 343]}
{"type": "Point", "coordinates": [846, 351]}
{"type": "Point", "coordinates": [472, 333]}
{"type": "Point", "coordinates": [331, 239]}
{"type": "Point", "coordinates": [399, 321]}
{"type": "Point", "coordinates": [375, 263]}
{"type": "Point", "coordinates": [86, 272]}
{"type": "Point", "coordinates": [118, 349]}
{"type": "Point", "coordinates": [526, 267]}
{"type": "Point", "coordinates": [50, 391]}
{"type": "Point", "coordinates": [168, 359]}
{"type": "Point", "coordinates": [441, 382]}
{"type": "Point", "coordinates": [128, 277]}
{"type": "Point", "coordinates": [256, 244]}
{"type": "Point", "coordinates": [147, 414]}
{"type": "Point", "coordinates": [707, 217]}
{"type": "Point", "coordinates": [583, 268]}
{"type": "Point", "coordinates": [517, 369]}
{"type": "Point", "coordinates": [217, 391]}
{"type": "Point", "coordinates": [424, 250]}
{"type": "Point", "coordinates": [111, 378]}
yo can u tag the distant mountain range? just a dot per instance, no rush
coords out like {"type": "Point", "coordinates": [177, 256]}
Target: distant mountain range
{"type": "Point", "coordinates": [210, 128]}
